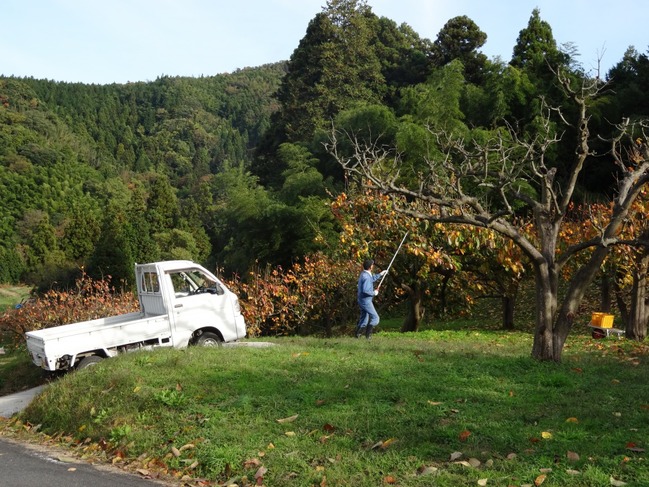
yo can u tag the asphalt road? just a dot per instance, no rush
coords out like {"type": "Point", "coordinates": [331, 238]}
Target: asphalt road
{"type": "Point", "coordinates": [26, 465]}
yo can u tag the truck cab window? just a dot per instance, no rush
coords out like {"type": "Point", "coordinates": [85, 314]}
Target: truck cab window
{"type": "Point", "coordinates": [150, 284]}
{"type": "Point", "coordinates": [190, 283]}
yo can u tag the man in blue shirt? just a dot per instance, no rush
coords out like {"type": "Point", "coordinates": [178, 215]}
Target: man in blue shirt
{"type": "Point", "coordinates": [366, 293]}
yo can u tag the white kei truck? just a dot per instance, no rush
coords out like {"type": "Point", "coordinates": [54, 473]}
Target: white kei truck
{"type": "Point", "coordinates": [181, 304]}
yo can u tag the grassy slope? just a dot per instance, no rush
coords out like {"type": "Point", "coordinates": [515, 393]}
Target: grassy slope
{"type": "Point", "coordinates": [12, 295]}
{"type": "Point", "coordinates": [365, 413]}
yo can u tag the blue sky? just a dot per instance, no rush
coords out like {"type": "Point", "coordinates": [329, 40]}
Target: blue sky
{"type": "Point", "coordinates": [117, 41]}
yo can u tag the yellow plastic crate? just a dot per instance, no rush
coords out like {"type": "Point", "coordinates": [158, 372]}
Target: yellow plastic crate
{"type": "Point", "coordinates": [602, 320]}
{"type": "Point", "coordinates": [596, 319]}
{"type": "Point", "coordinates": [607, 321]}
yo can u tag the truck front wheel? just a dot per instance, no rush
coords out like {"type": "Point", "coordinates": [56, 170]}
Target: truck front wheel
{"type": "Point", "coordinates": [209, 339]}
{"type": "Point", "coordinates": [89, 361]}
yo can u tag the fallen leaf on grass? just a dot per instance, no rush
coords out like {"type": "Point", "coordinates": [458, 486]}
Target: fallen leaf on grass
{"type": "Point", "coordinates": [252, 463]}
{"type": "Point", "coordinates": [382, 445]}
{"type": "Point", "coordinates": [464, 435]}
{"type": "Point", "coordinates": [290, 433]}
{"type": "Point", "coordinates": [329, 428]}
{"type": "Point", "coordinates": [290, 419]}
{"type": "Point", "coordinates": [616, 483]}
{"type": "Point", "coordinates": [572, 456]}
{"type": "Point", "coordinates": [482, 482]}
{"type": "Point", "coordinates": [540, 479]}
{"type": "Point", "coordinates": [511, 456]}
{"type": "Point", "coordinates": [572, 420]}
{"type": "Point", "coordinates": [474, 462]}
{"type": "Point", "coordinates": [464, 463]}
{"type": "Point", "coordinates": [455, 455]}
{"type": "Point", "coordinates": [426, 470]}
{"type": "Point", "coordinates": [261, 472]}
{"type": "Point", "coordinates": [573, 472]}
{"type": "Point", "coordinates": [435, 403]}
{"type": "Point", "coordinates": [175, 451]}
{"type": "Point", "coordinates": [390, 480]}
{"type": "Point", "coordinates": [546, 435]}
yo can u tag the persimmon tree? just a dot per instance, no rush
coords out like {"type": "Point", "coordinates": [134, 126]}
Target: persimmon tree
{"type": "Point", "coordinates": [440, 267]}
{"type": "Point", "coordinates": [485, 178]}
{"type": "Point", "coordinates": [631, 262]}
{"type": "Point", "coordinates": [421, 275]}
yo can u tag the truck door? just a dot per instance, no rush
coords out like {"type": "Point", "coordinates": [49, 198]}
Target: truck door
{"type": "Point", "coordinates": [199, 302]}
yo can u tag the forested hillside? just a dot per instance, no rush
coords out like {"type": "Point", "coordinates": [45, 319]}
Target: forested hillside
{"type": "Point", "coordinates": [107, 175]}
{"type": "Point", "coordinates": [231, 170]}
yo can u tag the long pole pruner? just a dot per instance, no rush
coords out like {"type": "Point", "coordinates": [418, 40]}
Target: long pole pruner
{"type": "Point", "coordinates": [390, 265]}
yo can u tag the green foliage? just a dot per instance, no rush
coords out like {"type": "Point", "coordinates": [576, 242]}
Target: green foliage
{"type": "Point", "coordinates": [102, 176]}
{"type": "Point", "coordinates": [436, 102]}
{"type": "Point", "coordinates": [460, 39]}
{"type": "Point", "coordinates": [74, 157]}
{"type": "Point", "coordinates": [535, 47]}
{"type": "Point", "coordinates": [170, 397]}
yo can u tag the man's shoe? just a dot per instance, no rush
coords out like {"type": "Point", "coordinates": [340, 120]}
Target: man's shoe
{"type": "Point", "coordinates": [360, 332]}
{"type": "Point", "coordinates": [368, 332]}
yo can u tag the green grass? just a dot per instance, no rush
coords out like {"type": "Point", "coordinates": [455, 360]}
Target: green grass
{"type": "Point", "coordinates": [364, 413]}
{"type": "Point", "coordinates": [12, 295]}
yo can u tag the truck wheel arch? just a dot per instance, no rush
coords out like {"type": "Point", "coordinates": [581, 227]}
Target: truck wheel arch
{"type": "Point", "coordinates": [206, 337]}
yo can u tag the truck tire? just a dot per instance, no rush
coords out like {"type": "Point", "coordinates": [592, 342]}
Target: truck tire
{"type": "Point", "coordinates": [209, 339]}
{"type": "Point", "coordinates": [89, 361]}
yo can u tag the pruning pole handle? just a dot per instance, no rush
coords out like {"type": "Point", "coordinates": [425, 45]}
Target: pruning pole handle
{"type": "Point", "coordinates": [390, 265]}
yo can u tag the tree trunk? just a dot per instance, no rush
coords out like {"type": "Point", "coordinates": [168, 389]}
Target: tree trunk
{"type": "Point", "coordinates": [544, 347]}
{"type": "Point", "coordinates": [508, 303]}
{"type": "Point", "coordinates": [636, 326]}
{"type": "Point", "coordinates": [621, 304]}
{"type": "Point", "coordinates": [574, 295]}
{"type": "Point", "coordinates": [415, 308]}
{"type": "Point", "coordinates": [606, 298]}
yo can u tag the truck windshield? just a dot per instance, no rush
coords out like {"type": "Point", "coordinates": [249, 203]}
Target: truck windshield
{"type": "Point", "coordinates": [188, 283]}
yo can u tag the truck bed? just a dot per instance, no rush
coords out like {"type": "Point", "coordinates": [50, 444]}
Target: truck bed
{"type": "Point", "coordinates": [58, 332]}
{"type": "Point", "coordinates": [51, 347]}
